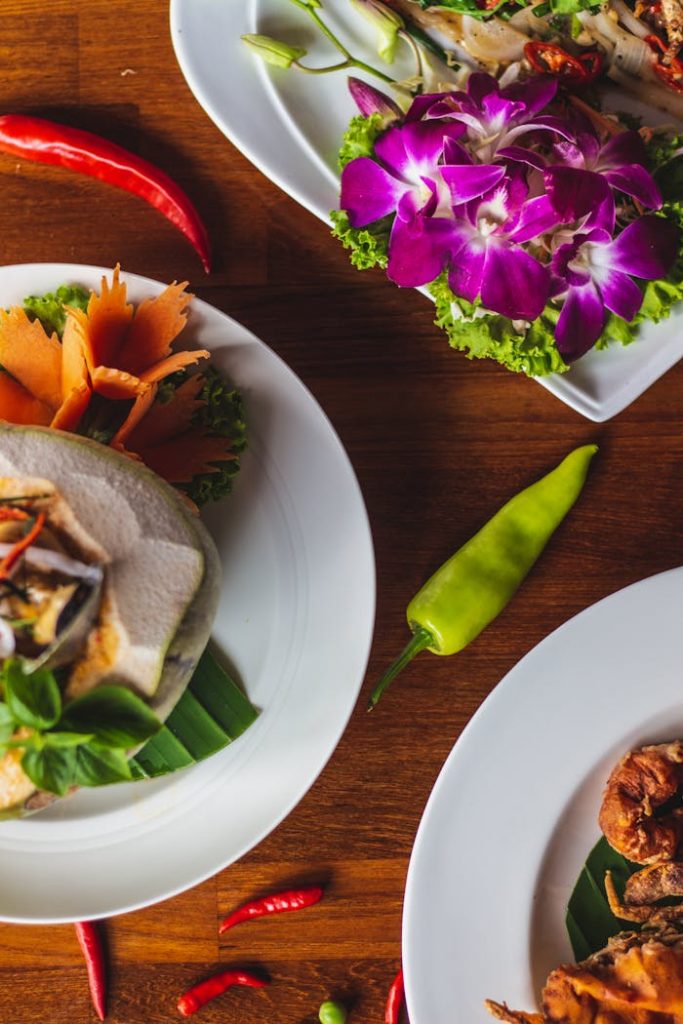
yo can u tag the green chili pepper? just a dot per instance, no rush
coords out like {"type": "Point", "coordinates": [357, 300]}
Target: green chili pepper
{"type": "Point", "coordinates": [476, 583]}
{"type": "Point", "coordinates": [332, 1013]}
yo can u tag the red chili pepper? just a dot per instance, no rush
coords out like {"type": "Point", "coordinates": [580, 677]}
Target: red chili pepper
{"type": "Point", "coordinates": [392, 1010]}
{"type": "Point", "coordinates": [10, 559]}
{"type": "Point", "coordinates": [202, 993]}
{"type": "Point", "coordinates": [48, 143]}
{"type": "Point", "coordinates": [547, 58]}
{"type": "Point", "coordinates": [293, 899]}
{"type": "Point", "coordinates": [91, 944]}
{"type": "Point", "coordinates": [592, 62]}
{"type": "Point", "coordinates": [671, 74]}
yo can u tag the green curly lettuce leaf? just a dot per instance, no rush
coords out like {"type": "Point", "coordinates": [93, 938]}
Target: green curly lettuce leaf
{"type": "Point", "coordinates": [492, 336]}
{"type": "Point", "coordinates": [50, 308]}
{"type": "Point", "coordinates": [222, 414]}
{"type": "Point", "coordinates": [368, 246]}
{"type": "Point", "coordinates": [360, 137]}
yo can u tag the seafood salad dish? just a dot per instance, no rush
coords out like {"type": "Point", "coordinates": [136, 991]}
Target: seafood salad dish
{"type": "Point", "coordinates": [637, 974]}
{"type": "Point", "coordinates": [109, 582]}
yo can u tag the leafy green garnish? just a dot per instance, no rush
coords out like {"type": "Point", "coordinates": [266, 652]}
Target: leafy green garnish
{"type": "Point", "coordinates": [32, 699]}
{"type": "Point", "coordinates": [368, 246]}
{"type": "Point", "coordinates": [493, 336]}
{"type": "Point", "coordinates": [98, 765]}
{"type": "Point", "coordinates": [222, 414]}
{"type": "Point", "coordinates": [49, 308]}
{"type": "Point", "coordinates": [589, 920]}
{"type": "Point", "coordinates": [51, 769]}
{"type": "Point", "coordinates": [474, 10]}
{"type": "Point", "coordinates": [115, 716]}
{"type": "Point", "coordinates": [360, 137]}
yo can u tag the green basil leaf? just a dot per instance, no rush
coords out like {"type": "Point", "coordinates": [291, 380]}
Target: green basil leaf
{"type": "Point", "coordinates": [7, 723]}
{"type": "Point", "coordinates": [51, 768]}
{"type": "Point", "coordinates": [590, 922]}
{"type": "Point", "coordinates": [34, 699]}
{"type": "Point", "coordinates": [115, 716]}
{"type": "Point", "coordinates": [66, 739]}
{"type": "Point", "coordinates": [97, 765]}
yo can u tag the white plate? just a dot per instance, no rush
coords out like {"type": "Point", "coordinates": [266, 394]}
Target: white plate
{"type": "Point", "coordinates": [290, 126]}
{"type": "Point", "coordinates": [513, 813]}
{"type": "Point", "coordinates": [295, 621]}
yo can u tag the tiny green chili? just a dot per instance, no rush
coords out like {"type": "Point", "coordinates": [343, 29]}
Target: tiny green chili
{"type": "Point", "coordinates": [476, 583]}
{"type": "Point", "coordinates": [331, 1012]}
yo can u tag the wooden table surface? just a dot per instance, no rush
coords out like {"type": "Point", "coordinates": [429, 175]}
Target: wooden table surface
{"type": "Point", "coordinates": [438, 443]}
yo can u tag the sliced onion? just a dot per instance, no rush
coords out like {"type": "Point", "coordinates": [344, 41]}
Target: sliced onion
{"type": "Point", "coordinates": [627, 18]}
{"type": "Point", "coordinates": [45, 560]}
{"type": "Point", "coordinates": [590, 27]}
{"type": "Point", "coordinates": [494, 41]}
{"type": "Point", "coordinates": [7, 640]}
{"type": "Point", "coordinates": [632, 55]}
{"type": "Point", "coordinates": [649, 91]}
{"type": "Point", "coordinates": [511, 74]}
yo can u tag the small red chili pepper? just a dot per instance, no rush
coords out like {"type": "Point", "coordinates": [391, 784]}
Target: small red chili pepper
{"type": "Point", "coordinates": [48, 143]}
{"type": "Point", "coordinates": [592, 62]}
{"type": "Point", "coordinates": [206, 990]}
{"type": "Point", "coordinates": [392, 1010]}
{"type": "Point", "coordinates": [547, 58]}
{"type": "Point", "coordinates": [671, 73]}
{"type": "Point", "coordinates": [293, 899]}
{"type": "Point", "coordinates": [10, 559]}
{"type": "Point", "coordinates": [90, 942]}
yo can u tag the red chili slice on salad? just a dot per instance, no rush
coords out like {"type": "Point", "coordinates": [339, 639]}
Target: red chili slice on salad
{"type": "Point", "coordinates": [549, 59]}
{"type": "Point", "coordinates": [671, 74]}
{"type": "Point", "coordinates": [592, 62]}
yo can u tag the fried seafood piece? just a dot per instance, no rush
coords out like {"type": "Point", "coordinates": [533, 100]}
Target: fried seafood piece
{"type": "Point", "coordinates": [672, 16]}
{"type": "Point", "coordinates": [636, 979]}
{"type": "Point", "coordinates": [642, 782]}
{"type": "Point", "coordinates": [643, 891]}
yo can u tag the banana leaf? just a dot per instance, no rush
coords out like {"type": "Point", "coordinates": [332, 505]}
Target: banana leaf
{"type": "Point", "coordinates": [590, 922]}
{"type": "Point", "coordinates": [212, 712]}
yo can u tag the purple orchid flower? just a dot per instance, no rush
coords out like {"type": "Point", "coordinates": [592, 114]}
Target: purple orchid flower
{"type": "Point", "coordinates": [621, 162]}
{"type": "Point", "coordinates": [597, 271]}
{"type": "Point", "coordinates": [480, 243]}
{"type": "Point", "coordinates": [493, 117]}
{"type": "Point", "coordinates": [406, 172]}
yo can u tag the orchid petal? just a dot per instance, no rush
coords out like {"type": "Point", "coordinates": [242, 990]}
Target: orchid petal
{"type": "Point", "coordinates": [368, 192]}
{"type": "Point", "coordinates": [624, 148]}
{"type": "Point", "coordinates": [421, 107]}
{"type": "Point", "coordinates": [480, 85]}
{"type": "Point", "coordinates": [568, 154]}
{"type": "Point", "coordinates": [646, 248]}
{"type": "Point", "coordinates": [455, 153]}
{"type": "Point", "coordinates": [620, 293]}
{"type": "Point", "coordinates": [634, 180]}
{"type": "Point", "coordinates": [499, 111]}
{"type": "Point", "coordinates": [589, 146]}
{"type": "Point", "coordinates": [514, 283]}
{"type": "Point", "coordinates": [536, 93]}
{"type": "Point", "coordinates": [577, 193]}
{"type": "Point", "coordinates": [522, 156]}
{"type": "Point", "coordinates": [466, 182]}
{"type": "Point", "coordinates": [413, 149]}
{"type": "Point", "coordinates": [466, 274]}
{"type": "Point", "coordinates": [418, 250]}
{"type": "Point", "coordinates": [536, 217]}
{"type": "Point", "coordinates": [414, 202]}
{"type": "Point", "coordinates": [581, 322]}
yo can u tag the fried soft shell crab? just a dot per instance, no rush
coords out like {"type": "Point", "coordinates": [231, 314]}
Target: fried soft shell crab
{"type": "Point", "coordinates": [638, 976]}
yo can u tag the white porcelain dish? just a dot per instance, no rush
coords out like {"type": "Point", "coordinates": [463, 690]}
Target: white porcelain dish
{"type": "Point", "coordinates": [513, 814]}
{"type": "Point", "coordinates": [295, 622]}
{"type": "Point", "coordinates": [289, 125]}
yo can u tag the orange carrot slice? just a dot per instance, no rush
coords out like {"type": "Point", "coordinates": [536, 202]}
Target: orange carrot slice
{"type": "Point", "coordinates": [12, 557]}
{"type": "Point", "coordinates": [17, 405]}
{"type": "Point", "coordinates": [140, 408]}
{"type": "Point", "coordinates": [166, 420]}
{"type": "Point", "coordinates": [156, 324]}
{"type": "Point", "coordinates": [31, 356]}
{"type": "Point", "coordinates": [106, 323]}
{"type": "Point", "coordinates": [180, 458]}
{"type": "Point", "coordinates": [178, 361]}
{"type": "Point", "coordinates": [116, 384]}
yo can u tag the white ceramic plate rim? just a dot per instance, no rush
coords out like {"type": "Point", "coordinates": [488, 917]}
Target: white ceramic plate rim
{"type": "Point", "coordinates": [513, 813]}
{"type": "Point", "coordinates": [250, 103]}
{"type": "Point", "coordinates": [198, 821]}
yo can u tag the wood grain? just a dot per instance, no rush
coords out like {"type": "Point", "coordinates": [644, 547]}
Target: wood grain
{"type": "Point", "coordinates": [438, 443]}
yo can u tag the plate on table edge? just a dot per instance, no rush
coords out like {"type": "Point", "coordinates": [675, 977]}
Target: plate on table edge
{"type": "Point", "coordinates": [265, 112]}
{"type": "Point", "coordinates": [294, 622]}
{"type": "Point", "coordinates": [513, 814]}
